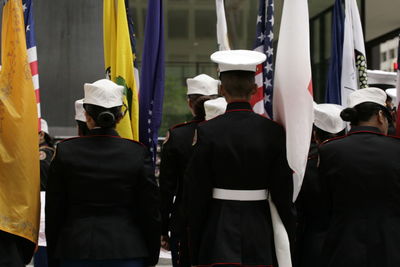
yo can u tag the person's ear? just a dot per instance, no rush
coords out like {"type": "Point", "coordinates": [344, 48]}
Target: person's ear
{"type": "Point", "coordinates": [190, 104]}
{"type": "Point", "coordinates": [221, 90]}
{"type": "Point", "coordinates": [381, 117]}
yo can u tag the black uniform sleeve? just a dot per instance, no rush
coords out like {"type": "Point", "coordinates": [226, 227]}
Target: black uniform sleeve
{"type": "Point", "coordinates": [324, 170]}
{"type": "Point", "coordinates": [55, 207]}
{"type": "Point", "coordinates": [169, 172]}
{"type": "Point", "coordinates": [197, 192]}
{"type": "Point", "coordinates": [150, 218]}
{"type": "Point", "coordinates": [281, 189]}
{"type": "Point", "coordinates": [47, 154]}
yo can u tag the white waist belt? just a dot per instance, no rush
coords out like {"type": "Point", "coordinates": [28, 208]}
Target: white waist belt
{"type": "Point", "coordinates": [240, 195]}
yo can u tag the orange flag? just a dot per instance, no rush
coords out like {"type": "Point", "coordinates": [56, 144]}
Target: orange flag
{"type": "Point", "coordinates": [19, 150]}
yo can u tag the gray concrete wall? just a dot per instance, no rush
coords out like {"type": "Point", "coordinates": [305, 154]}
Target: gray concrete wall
{"type": "Point", "coordinates": [69, 35]}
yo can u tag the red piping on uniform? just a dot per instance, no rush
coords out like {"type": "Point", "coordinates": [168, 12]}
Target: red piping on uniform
{"type": "Point", "coordinates": [356, 132]}
{"type": "Point", "coordinates": [184, 123]}
{"type": "Point", "coordinates": [240, 101]}
{"type": "Point", "coordinates": [233, 263]}
{"type": "Point", "coordinates": [238, 110]}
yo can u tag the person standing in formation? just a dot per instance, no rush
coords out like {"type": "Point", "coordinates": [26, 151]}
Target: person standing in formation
{"type": "Point", "coordinates": [239, 162]}
{"type": "Point", "coordinates": [102, 201]}
{"type": "Point", "coordinates": [361, 179]}
{"type": "Point", "coordinates": [311, 211]}
{"type": "Point", "coordinates": [176, 152]}
{"type": "Point", "coordinates": [46, 155]}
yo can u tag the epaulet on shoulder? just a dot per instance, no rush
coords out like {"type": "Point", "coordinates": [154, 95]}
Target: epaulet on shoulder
{"type": "Point", "coordinates": [133, 141]}
{"type": "Point", "coordinates": [81, 137]}
{"type": "Point", "coordinates": [183, 124]}
{"type": "Point", "coordinates": [69, 139]}
{"type": "Point", "coordinates": [265, 117]}
{"type": "Point", "coordinates": [202, 122]}
{"type": "Point", "coordinates": [333, 139]}
{"type": "Point", "coordinates": [393, 136]}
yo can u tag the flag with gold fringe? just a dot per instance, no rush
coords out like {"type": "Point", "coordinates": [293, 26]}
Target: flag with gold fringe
{"type": "Point", "coordinates": [118, 59]}
{"type": "Point", "coordinates": [19, 150]}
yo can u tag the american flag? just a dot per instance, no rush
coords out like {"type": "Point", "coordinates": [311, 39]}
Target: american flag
{"type": "Point", "coordinates": [262, 100]}
{"type": "Point", "coordinates": [398, 90]}
{"type": "Point", "coordinates": [27, 6]}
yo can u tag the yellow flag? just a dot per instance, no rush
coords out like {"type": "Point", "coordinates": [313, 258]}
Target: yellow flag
{"type": "Point", "coordinates": [19, 149]}
{"type": "Point", "coordinates": [118, 59]}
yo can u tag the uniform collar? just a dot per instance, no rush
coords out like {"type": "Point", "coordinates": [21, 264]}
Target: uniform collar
{"type": "Point", "coordinates": [238, 105]}
{"type": "Point", "coordinates": [103, 131]}
{"type": "Point", "coordinates": [369, 129]}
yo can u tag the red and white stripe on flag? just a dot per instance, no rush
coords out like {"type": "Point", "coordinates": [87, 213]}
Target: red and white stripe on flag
{"type": "Point", "coordinates": [398, 89]}
{"type": "Point", "coordinates": [293, 101]}
{"type": "Point", "coordinates": [257, 100]}
{"type": "Point", "coordinates": [32, 59]}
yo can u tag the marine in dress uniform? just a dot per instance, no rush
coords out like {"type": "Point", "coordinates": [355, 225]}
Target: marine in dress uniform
{"type": "Point", "coordinates": [46, 154]}
{"type": "Point", "coordinates": [15, 251]}
{"type": "Point", "coordinates": [360, 173]}
{"type": "Point", "coordinates": [310, 205]}
{"type": "Point", "coordinates": [175, 155]}
{"type": "Point", "coordinates": [238, 162]}
{"type": "Point", "coordinates": [102, 202]}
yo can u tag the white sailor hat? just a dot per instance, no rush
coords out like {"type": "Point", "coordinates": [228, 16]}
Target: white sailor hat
{"type": "Point", "coordinates": [79, 111]}
{"type": "Point", "coordinates": [327, 117]}
{"type": "Point", "coordinates": [43, 126]}
{"type": "Point", "coordinates": [245, 60]}
{"type": "Point", "coordinates": [371, 94]}
{"type": "Point", "coordinates": [103, 93]}
{"type": "Point", "coordinates": [215, 107]}
{"type": "Point", "coordinates": [203, 85]}
{"type": "Point", "coordinates": [392, 92]}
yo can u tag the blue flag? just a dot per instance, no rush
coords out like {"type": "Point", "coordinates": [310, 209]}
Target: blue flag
{"type": "Point", "coordinates": [151, 92]}
{"type": "Point", "coordinates": [333, 87]}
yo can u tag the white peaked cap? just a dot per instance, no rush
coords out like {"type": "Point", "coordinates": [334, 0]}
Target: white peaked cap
{"type": "Point", "coordinates": [79, 111]}
{"type": "Point", "coordinates": [245, 60]}
{"type": "Point", "coordinates": [392, 92]}
{"type": "Point", "coordinates": [371, 94]}
{"type": "Point", "coordinates": [103, 93]}
{"type": "Point", "coordinates": [203, 85]}
{"type": "Point", "coordinates": [215, 107]}
{"type": "Point", "coordinates": [43, 126]}
{"type": "Point", "coordinates": [327, 117]}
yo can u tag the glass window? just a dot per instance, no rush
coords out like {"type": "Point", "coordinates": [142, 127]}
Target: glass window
{"type": "Point", "coordinates": [383, 55]}
{"type": "Point", "coordinates": [391, 54]}
{"type": "Point", "coordinates": [178, 21]}
{"type": "Point", "coordinates": [205, 24]}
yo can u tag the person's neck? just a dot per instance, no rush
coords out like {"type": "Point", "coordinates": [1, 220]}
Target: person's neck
{"type": "Point", "coordinates": [230, 99]}
{"type": "Point", "coordinates": [372, 123]}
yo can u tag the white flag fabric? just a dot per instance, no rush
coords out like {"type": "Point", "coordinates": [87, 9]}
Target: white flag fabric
{"type": "Point", "coordinates": [354, 67]}
{"type": "Point", "coordinates": [222, 29]}
{"type": "Point", "coordinates": [293, 101]}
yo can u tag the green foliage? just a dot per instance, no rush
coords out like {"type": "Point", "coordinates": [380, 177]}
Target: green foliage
{"type": "Point", "coordinates": [175, 108]}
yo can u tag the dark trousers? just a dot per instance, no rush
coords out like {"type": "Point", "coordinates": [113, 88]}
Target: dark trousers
{"type": "Point", "coordinates": [40, 258]}
{"type": "Point", "coordinates": [179, 250]}
{"type": "Point", "coordinates": [103, 263]}
{"type": "Point", "coordinates": [10, 251]}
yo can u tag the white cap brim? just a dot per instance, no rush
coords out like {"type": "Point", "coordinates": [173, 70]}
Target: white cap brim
{"type": "Point", "coordinates": [242, 60]}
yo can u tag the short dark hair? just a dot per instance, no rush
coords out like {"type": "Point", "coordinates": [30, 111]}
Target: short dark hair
{"type": "Point", "coordinates": [238, 83]}
{"type": "Point", "coordinates": [83, 130]}
{"type": "Point", "coordinates": [363, 112]}
{"type": "Point", "coordinates": [322, 135]}
{"type": "Point", "coordinates": [197, 101]}
{"type": "Point", "coordinates": [104, 117]}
